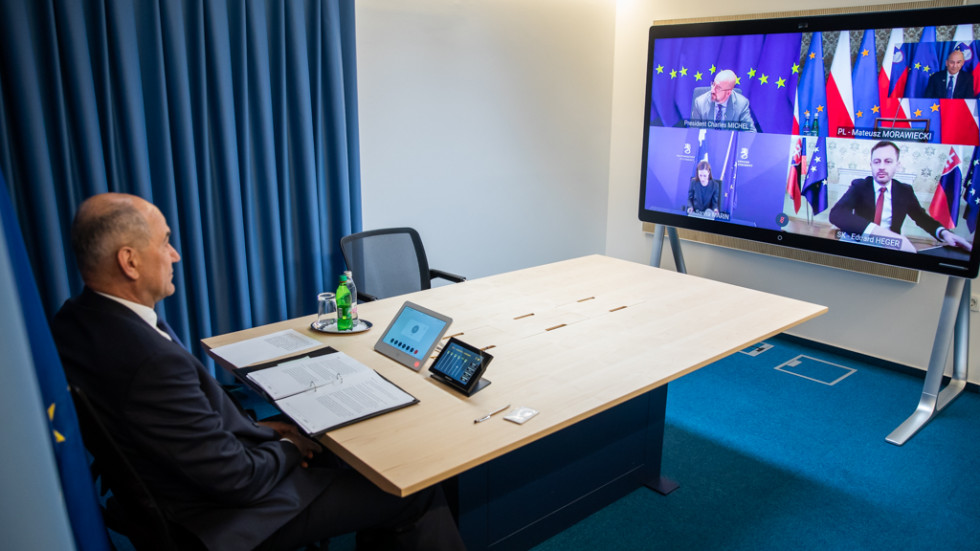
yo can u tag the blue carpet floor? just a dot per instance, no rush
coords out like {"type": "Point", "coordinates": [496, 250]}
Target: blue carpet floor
{"type": "Point", "coordinates": [777, 459]}
{"type": "Point", "coordinates": [771, 460]}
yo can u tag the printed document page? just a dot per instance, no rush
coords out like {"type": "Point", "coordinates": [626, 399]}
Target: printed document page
{"type": "Point", "coordinates": [329, 391]}
{"type": "Point", "coordinates": [266, 347]}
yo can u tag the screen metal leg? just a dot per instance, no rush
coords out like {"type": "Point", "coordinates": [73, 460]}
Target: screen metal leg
{"type": "Point", "coordinates": [954, 325]}
{"type": "Point", "coordinates": [675, 247]}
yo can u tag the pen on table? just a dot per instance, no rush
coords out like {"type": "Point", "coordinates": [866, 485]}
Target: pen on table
{"type": "Point", "coordinates": [491, 414]}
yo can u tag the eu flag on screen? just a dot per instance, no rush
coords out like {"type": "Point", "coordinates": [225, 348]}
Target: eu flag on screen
{"type": "Point", "coordinates": [812, 91]}
{"type": "Point", "coordinates": [923, 63]}
{"type": "Point", "coordinates": [815, 186]}
{"type": "Point", "coordinates": [771, 85]}
{"type": "Point", "coordinates": [665, 55]}
{"type": "Point", "coordinates": [926, 112]}
{"type": "Point", "coordinates": [864, 81]}
{"type": "Point", "coordinates": [971, 192]}
{"type": "Point", "coordinates": [763, 65]}
{"type": "Point", "coordinates": [945, 205]}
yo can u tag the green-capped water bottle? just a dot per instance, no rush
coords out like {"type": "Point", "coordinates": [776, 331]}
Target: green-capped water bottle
{"type": "Point", "coordinates": [344, 321]}
{"type": "Point", "coordinates": [353, 299]}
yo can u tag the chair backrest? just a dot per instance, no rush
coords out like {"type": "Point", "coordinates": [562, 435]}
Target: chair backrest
{"type": "Point", "coordinates": [136, 514]}
{"type": "Point", "coordinates": [387, 262]}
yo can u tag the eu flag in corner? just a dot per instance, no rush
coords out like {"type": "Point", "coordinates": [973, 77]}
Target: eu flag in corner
{"type": "Point", "coordinates": [812, 91]}
{"type": "Point", "coordinates": [924, 62]}
{"type": "Point", "coordinates": [76, 480]}
{"type": "Point", "coordinates": [815, 186]}
{"type": "Point", "coordinates": [971, 195]}
{"type": "Point", "coordinates": [945, 206]}
{"type": "Point", "coordinates": [864, 78]}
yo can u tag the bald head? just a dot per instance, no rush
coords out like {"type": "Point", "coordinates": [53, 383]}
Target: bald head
{"type": "Point", "coordinates": [954, 62]}
{"type": "Point", "coordinates": [104, 224]}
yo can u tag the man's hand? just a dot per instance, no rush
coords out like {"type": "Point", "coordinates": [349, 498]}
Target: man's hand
{"type": "Point", "coordinates": [307, 448]}
{"type": "Point", "coordinates": [954, 240]}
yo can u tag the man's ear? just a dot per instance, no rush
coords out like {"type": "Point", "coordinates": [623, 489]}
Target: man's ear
{"type": "Point", "coordinates": [128, 260]}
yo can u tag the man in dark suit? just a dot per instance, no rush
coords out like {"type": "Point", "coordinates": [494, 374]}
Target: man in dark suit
{"type": "Point", "coordinates": [233, 483]}
{"type": "Point", "coordinates": [876, 206]}
{"type": "Point", "coordinates": [953, 83]}
{"type": "Point", "coordinates": [722, 103]}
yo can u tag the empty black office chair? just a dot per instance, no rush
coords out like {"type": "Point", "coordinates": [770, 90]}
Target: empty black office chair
{"type": "Point", "coordinates": [389, 262]}
{"type": "Point", "coordinates": [131, 510]}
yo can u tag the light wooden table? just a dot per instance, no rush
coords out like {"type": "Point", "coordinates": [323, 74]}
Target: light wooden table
{"type": "Point", "coordinates": [572, 340]}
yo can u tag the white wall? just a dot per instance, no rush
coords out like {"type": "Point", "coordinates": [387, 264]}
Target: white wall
{"type": "Point", "coordinates": [527, 115]}
{"type": "Point", "coordinates": [485, 125]}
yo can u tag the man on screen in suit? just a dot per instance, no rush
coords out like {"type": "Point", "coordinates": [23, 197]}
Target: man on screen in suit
{"type": "Point", "coordinates": [877, 205]}
{"type": "Point", "coordinates": [722, 103]}
{"type": "Point", "coordinates": [233, 483]}
{"type": "Point", "coordinates": [953, 83]}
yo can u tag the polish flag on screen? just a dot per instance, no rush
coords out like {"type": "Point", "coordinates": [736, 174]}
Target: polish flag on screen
{"type": "Point", "coordinates": [893, 48]}
{"type": "Point", "coordinates": [945, 206]}
{"type": "Point", "coordinates": [894, 113]}
{"type": "Point", "coordinates": [958, 120]}
{"type": "Point", "coordinates": [840, 93]}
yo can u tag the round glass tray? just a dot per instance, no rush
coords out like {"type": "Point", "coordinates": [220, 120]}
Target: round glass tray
{"type": "Point", "coordinates": [362, 326]}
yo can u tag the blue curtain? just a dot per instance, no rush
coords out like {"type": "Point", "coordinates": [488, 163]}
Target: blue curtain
{"type": "Point", "coordinates": [237, 118]}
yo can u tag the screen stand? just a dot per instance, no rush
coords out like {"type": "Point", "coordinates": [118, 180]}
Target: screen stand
{"type": "Point", "coordinates": [675, 247]}
{"type": "Point", "coordinates": [954, 325]}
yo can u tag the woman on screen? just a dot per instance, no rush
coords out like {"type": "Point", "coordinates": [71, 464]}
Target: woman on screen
{"type": "Point", "coordinates": [704, 195]}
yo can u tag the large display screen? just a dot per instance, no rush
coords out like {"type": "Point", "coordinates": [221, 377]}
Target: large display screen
{"type": "Point", "coordinates": [854, 135]}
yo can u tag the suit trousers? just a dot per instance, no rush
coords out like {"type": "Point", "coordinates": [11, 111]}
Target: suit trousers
{"type": "Point", "coordinates": [352, 503]}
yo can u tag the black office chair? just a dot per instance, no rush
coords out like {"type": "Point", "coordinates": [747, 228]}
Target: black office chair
{"type": "Point", "coordinates": [131, 510]}
{"type": "Point", "coordinates": [389, 262]}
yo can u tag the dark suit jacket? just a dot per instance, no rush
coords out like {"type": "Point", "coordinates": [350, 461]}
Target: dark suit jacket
{"type": "Point", "coordinates": [223, 477]}
{"type": "Point", "coordinates": [936, 87]}
{"type": "Point", "coordinates": [856, 208]}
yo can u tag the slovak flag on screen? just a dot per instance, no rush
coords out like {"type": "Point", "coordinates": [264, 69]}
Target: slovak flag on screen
{"type": "Point", "coordinates": [797, 171]}
{"type": "Point", "coordinates": [945, 206]}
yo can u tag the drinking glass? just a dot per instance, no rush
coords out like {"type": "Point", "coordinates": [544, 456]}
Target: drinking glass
{"type": "Point", "coordinates": [326, 311]}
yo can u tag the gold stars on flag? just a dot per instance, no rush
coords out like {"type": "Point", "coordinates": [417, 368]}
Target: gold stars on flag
{"type": "Point", "coordinates": [698, 75]}
{"type": "Point", "coordinates": [875, 109]}
{"type": "Point", "coordinates": [751, 72]}
{"type": "Point", "coordinates": [673, 74]}
{"type": "Point", "coordinates": [660, 69]}
{"type": "Point", "coordinates": [796, 68]}
{"type": "Point", "coordinates": [934, 107]}
{"type": "Point", "coordinates": [781, 83]}
{"type": "Point", "coordinates": [57, 435]}
{"type": "Point", "coordinates": [764, 79]}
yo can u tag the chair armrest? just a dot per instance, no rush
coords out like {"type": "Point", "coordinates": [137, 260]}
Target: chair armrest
{"type": "Point", "coordinates": [446, 275]}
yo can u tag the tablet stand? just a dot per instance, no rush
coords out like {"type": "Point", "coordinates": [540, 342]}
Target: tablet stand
{"type": "Point", "coordinates": [482, 384]}
{"type": "Point", "coordinates": [675, 247]}
{"type": "Point", "coordinates": [954, 325]}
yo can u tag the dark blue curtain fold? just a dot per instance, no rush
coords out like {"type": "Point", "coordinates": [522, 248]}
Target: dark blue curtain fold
{"type": "Point", "coordinates": [237, 118]}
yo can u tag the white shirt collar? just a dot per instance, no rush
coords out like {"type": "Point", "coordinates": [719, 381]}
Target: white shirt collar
{"type": "Point", "coordinates": [147, 314]}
